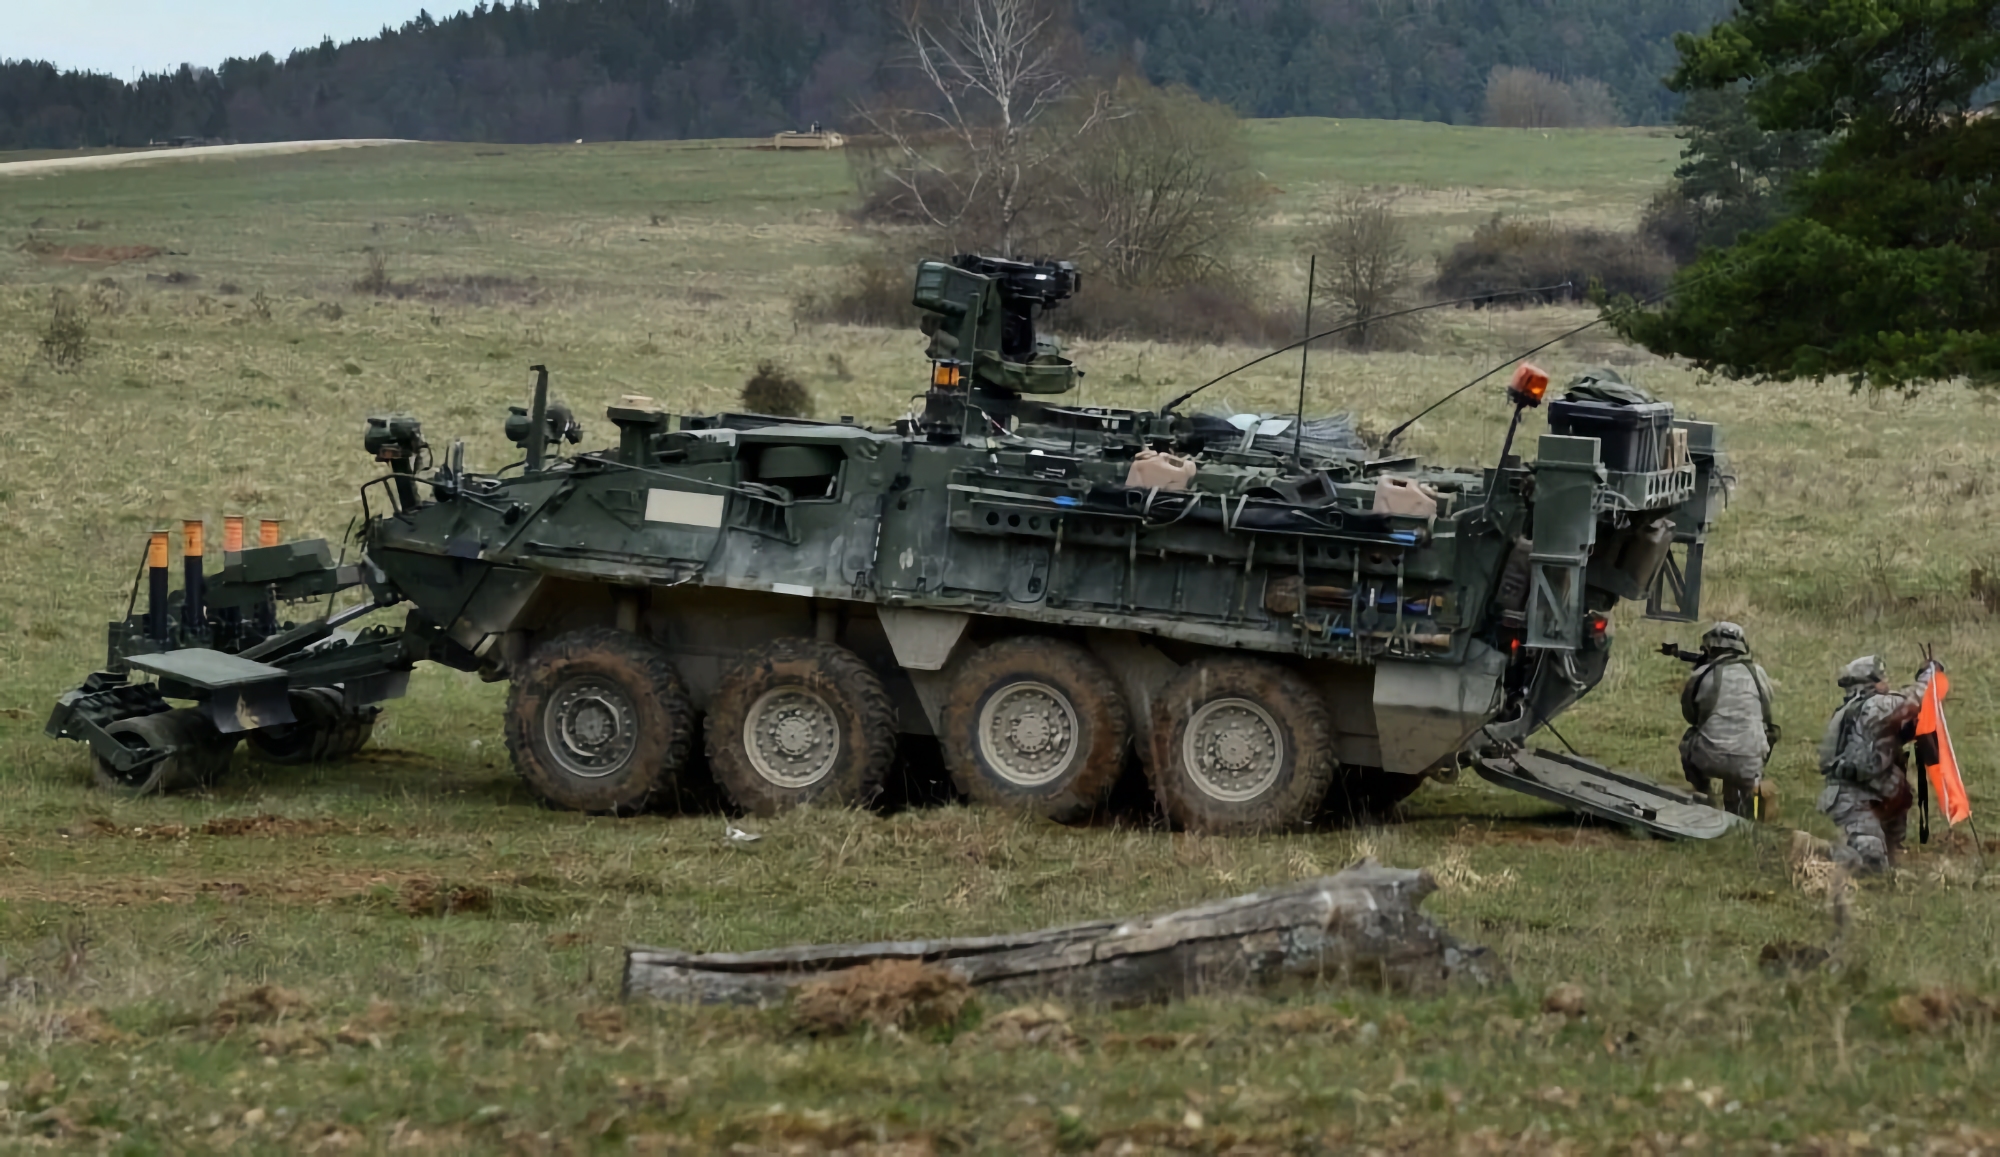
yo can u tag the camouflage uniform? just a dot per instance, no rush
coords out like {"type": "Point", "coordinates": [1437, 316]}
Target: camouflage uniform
{"type": "Point", "coordinates": [1867, 791]}
{"type": "Point", "coordinates": [1727, 703]}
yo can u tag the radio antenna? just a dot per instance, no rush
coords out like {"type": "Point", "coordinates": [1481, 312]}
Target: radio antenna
{"type": "Point", "coordinates": [1492, 295]}
{"type": "Point", "coordinates": [1305, 350]}
{"type": "Point", "coordinates": [1629, 307]}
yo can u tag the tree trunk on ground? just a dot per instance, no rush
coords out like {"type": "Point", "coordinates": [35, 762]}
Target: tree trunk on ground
{"type": "Point", "coordinates": [1358, 927]}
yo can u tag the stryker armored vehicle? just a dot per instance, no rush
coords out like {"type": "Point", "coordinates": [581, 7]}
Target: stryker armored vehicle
{"type": "Point", "coordinates": [1273, 623]}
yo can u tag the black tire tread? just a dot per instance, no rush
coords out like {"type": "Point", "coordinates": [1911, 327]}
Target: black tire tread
{"type": "Point", "coordinates": [202, 757]}
{"type": "Point", "coordinates": [1066, 800]}
{"type": "Point", "coordinates": [847, 678]}
{"type": "Point", "coordinates": [1296, 706]}
{"type": "Point", "coordinates": [326, 730]}
{"type": "Point", "coordinates": [621, 795]}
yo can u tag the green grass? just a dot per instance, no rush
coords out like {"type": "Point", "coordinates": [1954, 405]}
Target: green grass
{"type": "Point", "coordinates": [1854, 527]}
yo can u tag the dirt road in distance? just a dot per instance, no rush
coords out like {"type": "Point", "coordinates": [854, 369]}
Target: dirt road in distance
{"type": "Point", "coordinates": [48, 165]}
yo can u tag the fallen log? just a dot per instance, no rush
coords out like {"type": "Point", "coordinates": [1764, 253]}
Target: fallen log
{"type": "Point", "coordinates": [1357, 927]}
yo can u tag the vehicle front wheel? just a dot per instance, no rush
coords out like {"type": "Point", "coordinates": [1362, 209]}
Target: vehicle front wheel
{"type": "Point", "coordinates": [1240, 746]}
{"type": "Point", "coordinates": [200, 755]}
{"type": "Point", "coordinates": [1037, 725]}
{"type": "Point", "coordinates": [797, 722]}
{"type": "Point", "coordinates": [598, 721]}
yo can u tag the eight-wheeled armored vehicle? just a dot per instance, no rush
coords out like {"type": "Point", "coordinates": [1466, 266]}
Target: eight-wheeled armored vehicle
{"type": "Point", "coordinates": [1271, 620]}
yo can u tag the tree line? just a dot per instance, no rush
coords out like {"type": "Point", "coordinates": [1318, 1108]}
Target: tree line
{"type": "Point", "coordinates": [673, 69]}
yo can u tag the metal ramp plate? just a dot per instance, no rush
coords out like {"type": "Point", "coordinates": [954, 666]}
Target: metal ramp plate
{"type": "Point", "coordinates": [1593, 789]}
{"type": "Point", "coordinates": [206, 669]}
{"type": "Point", "coordinates": [239, 694]}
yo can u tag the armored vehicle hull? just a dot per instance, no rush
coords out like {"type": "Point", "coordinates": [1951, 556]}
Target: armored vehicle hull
{"type": "Point", "coordinates": [1270, 628]}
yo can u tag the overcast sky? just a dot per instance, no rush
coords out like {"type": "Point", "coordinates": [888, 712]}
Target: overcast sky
{"type": "Point", "coordinates": [121, 36]}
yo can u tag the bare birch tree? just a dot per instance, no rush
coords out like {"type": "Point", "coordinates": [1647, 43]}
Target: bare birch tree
{"type": "Point", "coordinates": [974, 156]}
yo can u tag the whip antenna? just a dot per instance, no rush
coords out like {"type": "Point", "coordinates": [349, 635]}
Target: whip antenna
{"type": "Point", "coordinates": [1494, 295]}
{"type": "Point", "coordinates": [1305, 350]}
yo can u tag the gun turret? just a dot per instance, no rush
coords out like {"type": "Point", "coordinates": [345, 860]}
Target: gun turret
{"type": "Point", "coordinates": [980, 315]}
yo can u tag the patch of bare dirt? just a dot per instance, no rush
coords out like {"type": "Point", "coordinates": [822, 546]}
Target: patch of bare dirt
{"type": "Point", "coordinates": [89, 254]}
{"type": "Point", "coordinates": [883, 993]}
{"type": "Point", "coordinates": [1533, 834]}
{"type": "Point", "coordinates": [264, 1004]}
{"type": "Point", "coordinates": [606, 1023]}
{"type": "Point", "coordinates": [373, 1028]}
{"type": "Point", "coordinates": [50, 165]}
{"type": "Point", "coordinates": [1937, 1009]}
{"type": "Point", "coordinates": [1152, 1042]}
{"type": "Point", "coordinates": [424, 896]}
{"type": "Point", "coordinates": [469, 289]}
{"type": "Point", "coordinates": [318, 887]}
{"type": "Point", "coordinates": [1042, 1025]}
{"type": "Point", "coordinates": [263, 825]}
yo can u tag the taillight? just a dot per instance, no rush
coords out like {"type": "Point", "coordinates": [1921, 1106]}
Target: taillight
{"type": "Point", "coordinates": [1596, 629]}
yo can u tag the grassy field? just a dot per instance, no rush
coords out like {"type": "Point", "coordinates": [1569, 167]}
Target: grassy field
{"type": "Point", "coordinates": [278, 966]}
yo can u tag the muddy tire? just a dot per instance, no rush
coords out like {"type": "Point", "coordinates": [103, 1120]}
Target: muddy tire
{"type": "Point", "coordinates": [798, 722]}
{"type": "Point", "coordinates": [1240, 746]}
{"type": "Point", "coordinates": [1036, 725]}
{"type": "Point", "coordinates": [201, 754]}
{"type": "Point", "coordinates": [324, 729]}
{"type": "Point", "coordinates": [1361, 793]}
{"type": "Point", "coordinates": [598, 721]}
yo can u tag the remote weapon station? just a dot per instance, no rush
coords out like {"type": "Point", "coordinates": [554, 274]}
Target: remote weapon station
{"type": "Point", "coordinates": [1272, 622]}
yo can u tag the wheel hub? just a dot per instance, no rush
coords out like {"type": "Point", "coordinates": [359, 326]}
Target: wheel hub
{"type": "Point", "coordinates": [1233, 749]}
{"type": "Point", "coordinates": [593, 727]}
{"type": "Point", "coordinates": [1028, 733]}
{"type": "Point", "coordinates": [792, 737]}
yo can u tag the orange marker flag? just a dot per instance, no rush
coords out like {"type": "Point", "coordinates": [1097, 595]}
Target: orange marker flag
{"type": "Point", "coordinates": [1935, 754]}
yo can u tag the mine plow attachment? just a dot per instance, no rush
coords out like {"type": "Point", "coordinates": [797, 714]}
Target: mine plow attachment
{"type": "Point", "coordinates": [104, 699]}
{"type": "Point", "coordinates": [240, 695]}
{"type": "Point", "coordinates": [1596, 790]}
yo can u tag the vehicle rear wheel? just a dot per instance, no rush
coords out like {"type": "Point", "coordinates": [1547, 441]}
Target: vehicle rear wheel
{"type": "Point", "coordinates": [598, 721]}
{"type": "Point", "coordinates": [324, 729]}
{"type": "Point", "coordinates": [1240, 746]}
{"type": "Point", "coordinates": [201, 754]}
{"type": "Point", "coordinates": [797, 722]}
{"type": "Point", "coordinates": [1037, 725]}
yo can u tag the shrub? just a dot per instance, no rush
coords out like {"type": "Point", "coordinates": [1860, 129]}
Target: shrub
{"type": "Point", "coordinates": [771, 390]}
{"type": "Point", "coordinates": [374, 273]}
{"type": "Point", "coordinates": [65, 340]}
{"type": "Point", "coordinates": [873, 291]}
{"type": "Point", "coordinates": [1522, 98]}
{"type": "Point", "coordinates": [1672, 223]}
{"type": "Point", "coordinates": [1206, 313]}
{"type": "Point", "coordinates": [876, 292]}
{"type": "Point", "coordinates": [1367, 268]}
{"type": "Point", "coordinates": [1512, 253]}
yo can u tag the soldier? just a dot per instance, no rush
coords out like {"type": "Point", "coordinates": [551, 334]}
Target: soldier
{"type": "Point", "coordinates": [1727, 703]}
{"type": "Point", "coordinates": [1863, 759]}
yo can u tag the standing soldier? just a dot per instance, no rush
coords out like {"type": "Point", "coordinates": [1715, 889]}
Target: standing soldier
{"type": "Point", "coordinates": [1727, 703]}
{"type": "Point", "coordinates": [1863, 759]}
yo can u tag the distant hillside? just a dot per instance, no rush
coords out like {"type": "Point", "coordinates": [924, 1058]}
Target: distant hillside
{"type": "Point", "coordinates": [629, 69]}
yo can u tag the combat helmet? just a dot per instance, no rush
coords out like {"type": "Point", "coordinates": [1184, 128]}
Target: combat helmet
{"type": "Point", "coordinates": [1863, 672]}
{"type": "Point", "coordinates": [1725, 637]}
